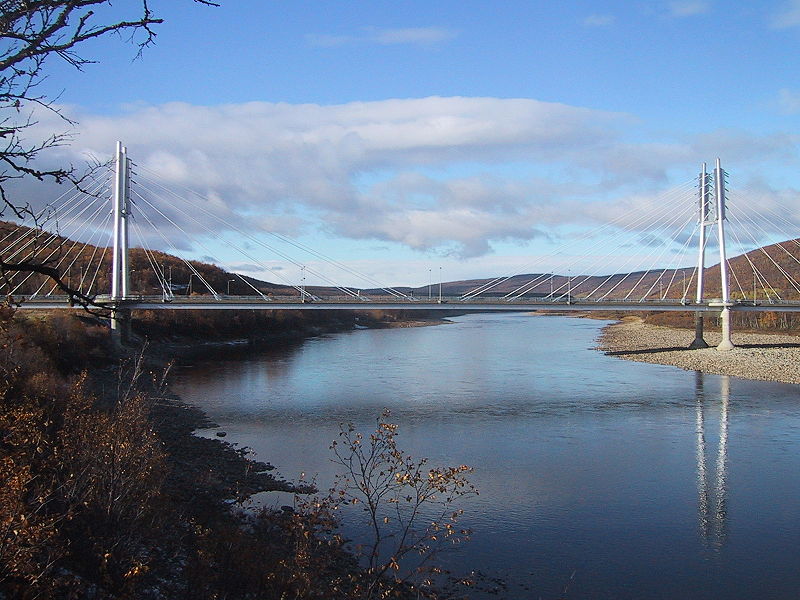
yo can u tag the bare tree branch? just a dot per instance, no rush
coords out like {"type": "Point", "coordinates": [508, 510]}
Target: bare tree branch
{"type": "Point", "coordinates": [31, 32]}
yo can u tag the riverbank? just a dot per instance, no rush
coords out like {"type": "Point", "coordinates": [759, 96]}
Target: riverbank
{"type": "Point", "coordinates": [765, 357]}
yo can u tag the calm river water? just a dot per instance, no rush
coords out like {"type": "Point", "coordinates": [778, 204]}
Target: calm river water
{"type": "Point", "coordinates": [616, 479]}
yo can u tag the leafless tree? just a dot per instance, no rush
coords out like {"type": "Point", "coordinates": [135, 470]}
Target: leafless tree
{"type": "Point", "coordinates": [33, 32]}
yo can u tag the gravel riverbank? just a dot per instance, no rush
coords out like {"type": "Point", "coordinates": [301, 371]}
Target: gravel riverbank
{"type": "Point", "coordinates": [756, 356]}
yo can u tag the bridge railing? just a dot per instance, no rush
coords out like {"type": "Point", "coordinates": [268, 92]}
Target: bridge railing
{"type": "Point", "coordinates": [376, 301]}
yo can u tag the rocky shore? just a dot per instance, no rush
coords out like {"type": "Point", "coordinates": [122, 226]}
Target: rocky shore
{"type": "Point", "coordinates": [756, 356]}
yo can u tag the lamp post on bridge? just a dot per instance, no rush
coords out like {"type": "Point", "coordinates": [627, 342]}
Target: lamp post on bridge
{"type": "Point", "coordinates": [229, 286]}
{"type": "Point", "coordinates": [569, 286]}
{"type": "Point", "coordinates": [440, 284]}
{"type": "Point", "coordinates": [430, 282]}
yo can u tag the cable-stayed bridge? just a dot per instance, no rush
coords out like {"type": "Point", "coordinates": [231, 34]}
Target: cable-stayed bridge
{"type": "Point", "coordinates": [101, 240]}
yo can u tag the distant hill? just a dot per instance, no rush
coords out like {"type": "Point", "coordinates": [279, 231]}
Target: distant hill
{"type": "Point", "coordinates": [773, 265]}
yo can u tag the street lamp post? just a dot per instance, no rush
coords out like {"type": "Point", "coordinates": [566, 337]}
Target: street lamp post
{"type": "Point", "coordinates": [430, 282]}
{"type": "Point", "coordinates": [440, 285]}
{"type": "Point", "coordinates": [569, 286]}
{"type": "Point", "coordinates": [189, 287]}
{"type": "Point", "coordinates": [229, 286]}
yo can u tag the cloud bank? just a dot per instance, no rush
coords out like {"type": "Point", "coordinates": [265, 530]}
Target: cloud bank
{"type": "Point", "coordinates": [451, 175]}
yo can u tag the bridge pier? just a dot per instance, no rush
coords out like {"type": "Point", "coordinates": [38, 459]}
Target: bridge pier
{"type": "Point", "coordinates": [698, 342]}
{"type": "Point", "coordinates": [725, 321]}
{"type": "Point", "coordinates": [121, 326]}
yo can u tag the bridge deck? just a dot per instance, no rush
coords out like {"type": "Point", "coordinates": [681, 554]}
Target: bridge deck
{"type": "Point", "coordinates": [373, 303]}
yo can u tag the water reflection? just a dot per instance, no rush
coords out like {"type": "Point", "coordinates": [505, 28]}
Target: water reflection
{"type": "Point", "coordinates": [583, 464]}
{"type": "Point", "coordinates": [712, 498]}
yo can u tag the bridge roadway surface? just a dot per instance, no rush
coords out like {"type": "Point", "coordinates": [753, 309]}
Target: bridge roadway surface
{"type": "Point", "coordinates": [454, 303]}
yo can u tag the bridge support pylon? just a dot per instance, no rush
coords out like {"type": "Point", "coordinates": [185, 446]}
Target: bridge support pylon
{"type": "Point", "coordinates": [120, 270]}
{"type": "Point", "coordinates": [725, 315]}
{"type": "Point", "coordinates": [699, 342]}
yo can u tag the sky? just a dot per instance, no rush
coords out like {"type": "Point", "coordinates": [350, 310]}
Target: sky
{"type": "Point", "coordinates": [412, 140]}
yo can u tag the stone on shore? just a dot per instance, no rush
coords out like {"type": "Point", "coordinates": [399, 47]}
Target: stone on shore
{"type": "Point", "coordinates": [761, 356]}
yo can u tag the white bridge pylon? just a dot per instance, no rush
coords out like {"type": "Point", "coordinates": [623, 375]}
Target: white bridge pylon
{"type": "Point", "coordinates": [704, 222]}
{"type": "Point", "coordinates": [120, 198]}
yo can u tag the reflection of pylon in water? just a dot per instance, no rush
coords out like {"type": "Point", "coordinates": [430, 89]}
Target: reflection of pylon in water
{"type": "Point", "coordinates": [712, 499]}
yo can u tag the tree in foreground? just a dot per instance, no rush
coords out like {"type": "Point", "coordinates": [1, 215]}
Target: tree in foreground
{"type": "Point", "coordinates": [410, 508]}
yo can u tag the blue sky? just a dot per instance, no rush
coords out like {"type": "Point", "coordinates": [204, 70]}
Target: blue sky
{"type": "Point", "coordinates": [407, 136]}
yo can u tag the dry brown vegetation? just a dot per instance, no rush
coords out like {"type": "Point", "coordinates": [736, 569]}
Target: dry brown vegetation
{"type": "Point", "coordinates": [104, 492]}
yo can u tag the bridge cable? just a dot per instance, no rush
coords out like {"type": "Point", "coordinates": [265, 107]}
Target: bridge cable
{"type": "Point", "coordinates": [37, 234]}
{"type": "Point", "coordinates": [791, 280]}
{"type": "Point", "coordinates": [621, 233]}
{"type": "Point", "coordinates": [658, 229]}
{"type": "Point", "coordinates": [50, 208]}
{"type": "Point", "coordinates": [159, 273]}
{"type": "Point", "coordinates": [684, 250]}
{"type": "Point", "coordinates": [97, 232]}
{"type": "Point", "coordinates": [214, 235]}
{"type": "Point", "coordinates": [97, 246]}
{"type": "Point", "coordinates": [601, 261]}
{"type": "Point", "coordinates": [286, 240]}
{"type": "Point", "coordinates": [660, 256]}
{"type": "Point", "coordinates": [757, 274]}
{"type": "Point", "coordinates": [175, 249]}
{"type": "Point", "coordinates": [485, 287]}
{"type": "Point", "coordinates": [66, 254]}
{"type": "Point", "coordinates": [647, 257]}
{"type": "Point", "coordinates": [191, 267]}
{"type": "Point", "coordinates": [648, 231]}
{"type": "Point", "coordinates": [52, 237]}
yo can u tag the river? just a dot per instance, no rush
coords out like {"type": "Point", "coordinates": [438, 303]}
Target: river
{"type": "Point", "coordinates": [610, 478]}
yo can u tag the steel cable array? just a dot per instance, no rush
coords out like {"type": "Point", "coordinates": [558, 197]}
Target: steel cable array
{"type": "Point", "coordinates": [667, 230]}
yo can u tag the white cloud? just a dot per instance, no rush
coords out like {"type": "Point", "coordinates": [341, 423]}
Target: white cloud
{"type": "Point", "coordinates": [447, 175]}
{"type": "Point", "coordinates": [688, 8]}
{"type": "Point", "coordinates": [599, 20]}
{"type": "Point", "coordinates": [789, 16]}
{"type": "Point", "coordinates": [412, 35]}
{"type": "Point", "coordinates": [789, 102]}
{"type": "Point", "coordinates": [415, 36]}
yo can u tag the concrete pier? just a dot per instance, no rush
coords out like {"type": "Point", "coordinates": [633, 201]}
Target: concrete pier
{"type": "Point", "coordinates": [725, 318]}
